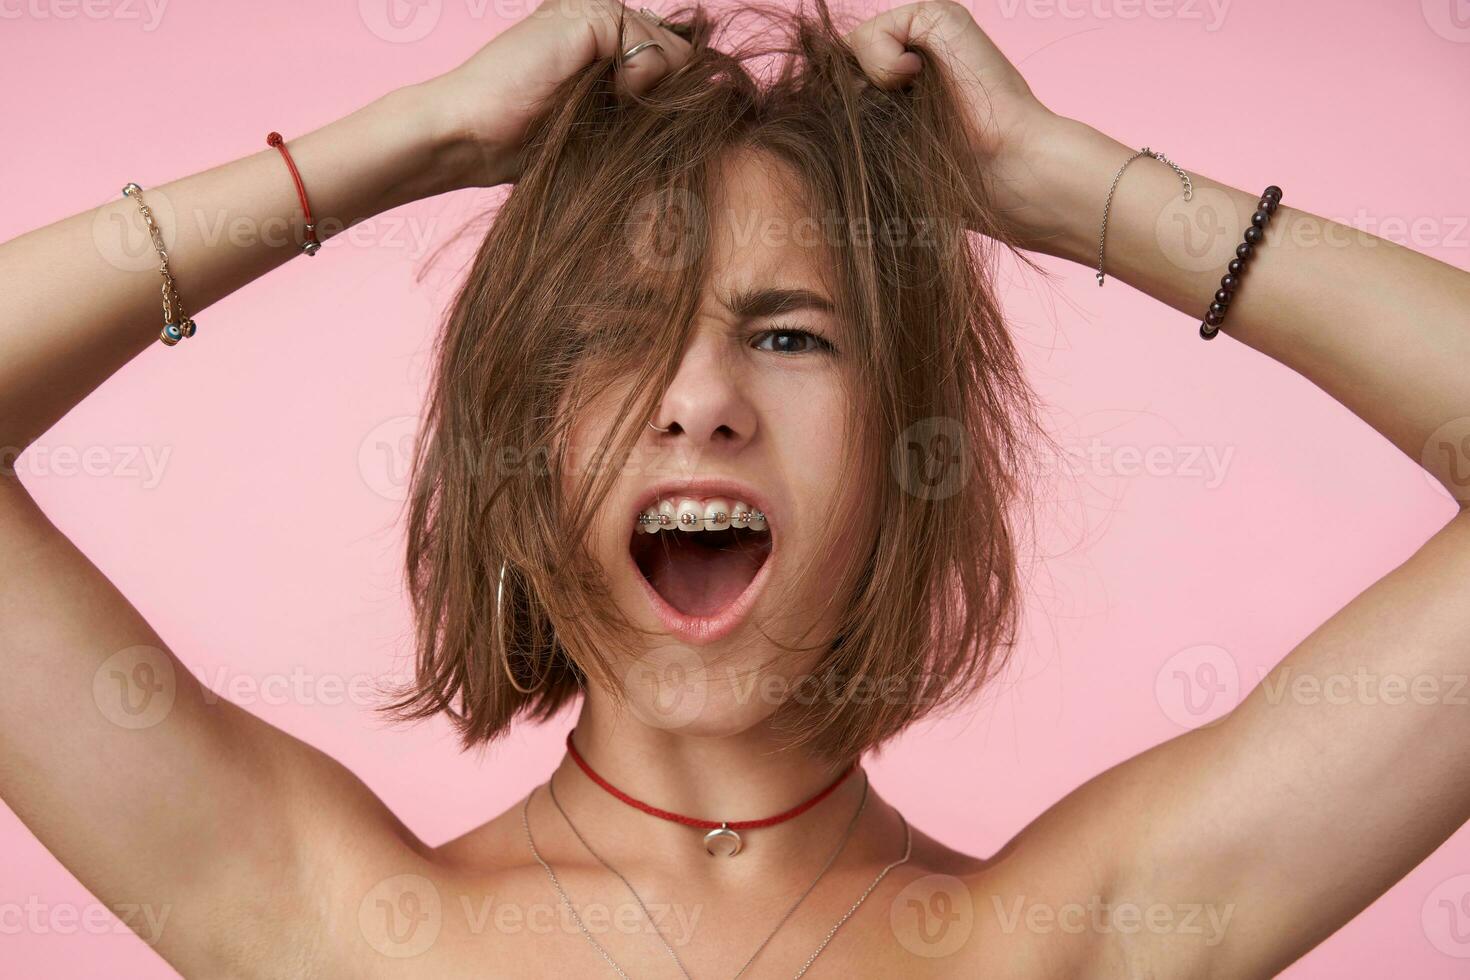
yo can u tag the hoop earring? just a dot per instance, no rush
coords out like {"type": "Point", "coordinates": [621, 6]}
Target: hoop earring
{"type": "Point", "coordinates": [504, 656]}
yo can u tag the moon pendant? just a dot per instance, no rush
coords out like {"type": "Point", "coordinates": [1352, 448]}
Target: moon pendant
{"type": "Point", "coordinates": [722, 840]}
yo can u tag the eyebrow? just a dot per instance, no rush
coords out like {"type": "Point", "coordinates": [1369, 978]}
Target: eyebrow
{"type": "Point", "coordinates": [753, 303]}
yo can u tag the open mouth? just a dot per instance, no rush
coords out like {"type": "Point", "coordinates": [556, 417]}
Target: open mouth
{"type": "Point", "coordinates": [700, 555]}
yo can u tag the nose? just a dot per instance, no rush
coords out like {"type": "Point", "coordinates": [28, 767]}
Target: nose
{"type": "Point", "coordinates": [706, 406]}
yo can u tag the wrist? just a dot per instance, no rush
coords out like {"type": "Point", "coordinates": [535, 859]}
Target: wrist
{"type": "Point", "coordinates": [448, 155]}
{"type": "Point", "coordinates": [461, 155]}
{"type": "Point", "coordinates": [1061, 180]}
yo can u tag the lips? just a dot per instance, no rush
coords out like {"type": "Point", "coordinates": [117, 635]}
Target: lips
{"type": "Point", "coordinates": [702, 583]}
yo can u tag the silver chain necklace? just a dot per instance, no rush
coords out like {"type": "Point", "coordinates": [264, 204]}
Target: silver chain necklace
{"type": "Point", "coordinates": [581, 926]}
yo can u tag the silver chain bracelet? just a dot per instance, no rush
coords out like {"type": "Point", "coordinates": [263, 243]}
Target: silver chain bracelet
{"type": "Point", "coordinates": [1108, 206]}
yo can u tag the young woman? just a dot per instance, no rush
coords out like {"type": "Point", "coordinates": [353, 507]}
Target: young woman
{"type": "Point", "coordinates": [748, 331]}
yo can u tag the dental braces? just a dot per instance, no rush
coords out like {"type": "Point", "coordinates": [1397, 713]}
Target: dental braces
{"type": "Point", "coordinates": [689, 520]}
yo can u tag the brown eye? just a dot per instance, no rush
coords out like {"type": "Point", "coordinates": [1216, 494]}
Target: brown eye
{"type": "Point", "coordinates": [787, 341]}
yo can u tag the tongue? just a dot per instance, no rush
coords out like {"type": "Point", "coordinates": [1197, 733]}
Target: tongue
{"type": "Point", "coordinates": [696, 580]}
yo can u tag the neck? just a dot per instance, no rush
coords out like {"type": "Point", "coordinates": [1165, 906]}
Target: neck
{"type": "Point", "coordinates": [743, 776]}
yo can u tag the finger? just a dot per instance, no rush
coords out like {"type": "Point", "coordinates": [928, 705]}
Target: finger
{"type": "Point", "coordinates": [636, 75]}
{"type": "Point", "coordinates": [880, 46]}
{"type": "Point", "coordinates": [681, 45]}
{"type": "Point", "coordinates": [673, 51]}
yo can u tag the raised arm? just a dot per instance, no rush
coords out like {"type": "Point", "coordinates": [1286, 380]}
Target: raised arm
{"type": "Point", "coordinates": [149, 792]}
{"type": "Point", "coordinates": [86, 307]}
{"type": "Point", "coordinates": [146, 789]}
{"type": "Point", "coordinates": [1345, 766]}
{"type": "Point", "coordinates": [1315, 794]}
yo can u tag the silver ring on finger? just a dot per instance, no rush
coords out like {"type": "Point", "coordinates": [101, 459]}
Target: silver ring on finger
{"type": "Point", "coordinates": [635, 49]}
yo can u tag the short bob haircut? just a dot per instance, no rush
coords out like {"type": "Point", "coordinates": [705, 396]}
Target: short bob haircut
{"type": "Point", "coordinates": [595, 260]}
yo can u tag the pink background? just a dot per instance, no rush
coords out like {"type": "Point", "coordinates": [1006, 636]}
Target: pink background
{"type": "Point", "coordinates": [270, 549]}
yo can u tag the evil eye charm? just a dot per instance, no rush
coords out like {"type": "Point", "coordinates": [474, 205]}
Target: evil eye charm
{"type": "Point", "coordinates": [172, 334]}
{"type": "Point", "coordinates": [188, 328]}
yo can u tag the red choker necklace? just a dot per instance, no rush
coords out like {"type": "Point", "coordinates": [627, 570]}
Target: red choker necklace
{"type": "Point", "coordinates": [722, 837]}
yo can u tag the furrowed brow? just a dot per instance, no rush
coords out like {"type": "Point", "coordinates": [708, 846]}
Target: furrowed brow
{"type": "Point", "coordinates": [753, 303]}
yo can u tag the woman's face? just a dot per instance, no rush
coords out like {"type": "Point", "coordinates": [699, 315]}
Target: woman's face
{"type": "Point", "coordinates": [757, 418]}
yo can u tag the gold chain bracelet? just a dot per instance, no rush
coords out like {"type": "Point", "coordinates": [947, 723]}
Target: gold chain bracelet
{"type": "Point", "coordinates": [176, 324]}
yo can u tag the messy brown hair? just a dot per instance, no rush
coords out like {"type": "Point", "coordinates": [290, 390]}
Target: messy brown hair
{"type": "Point", "coordinates": [596, 259]}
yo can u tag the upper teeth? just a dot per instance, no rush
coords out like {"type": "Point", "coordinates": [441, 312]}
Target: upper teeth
{"type": "Point", "coordinates": [689, 514]}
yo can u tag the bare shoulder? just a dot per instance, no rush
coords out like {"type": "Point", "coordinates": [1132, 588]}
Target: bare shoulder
{"type": "Point", "coordinates": [481, 897]}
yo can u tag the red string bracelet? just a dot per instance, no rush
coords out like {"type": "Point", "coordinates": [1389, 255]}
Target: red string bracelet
{"type": "Point", "coordinates": [311, 244]}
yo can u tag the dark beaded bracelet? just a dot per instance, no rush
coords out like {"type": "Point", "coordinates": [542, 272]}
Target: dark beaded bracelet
{"type": "Point", "coordinates": [1255, 233]}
